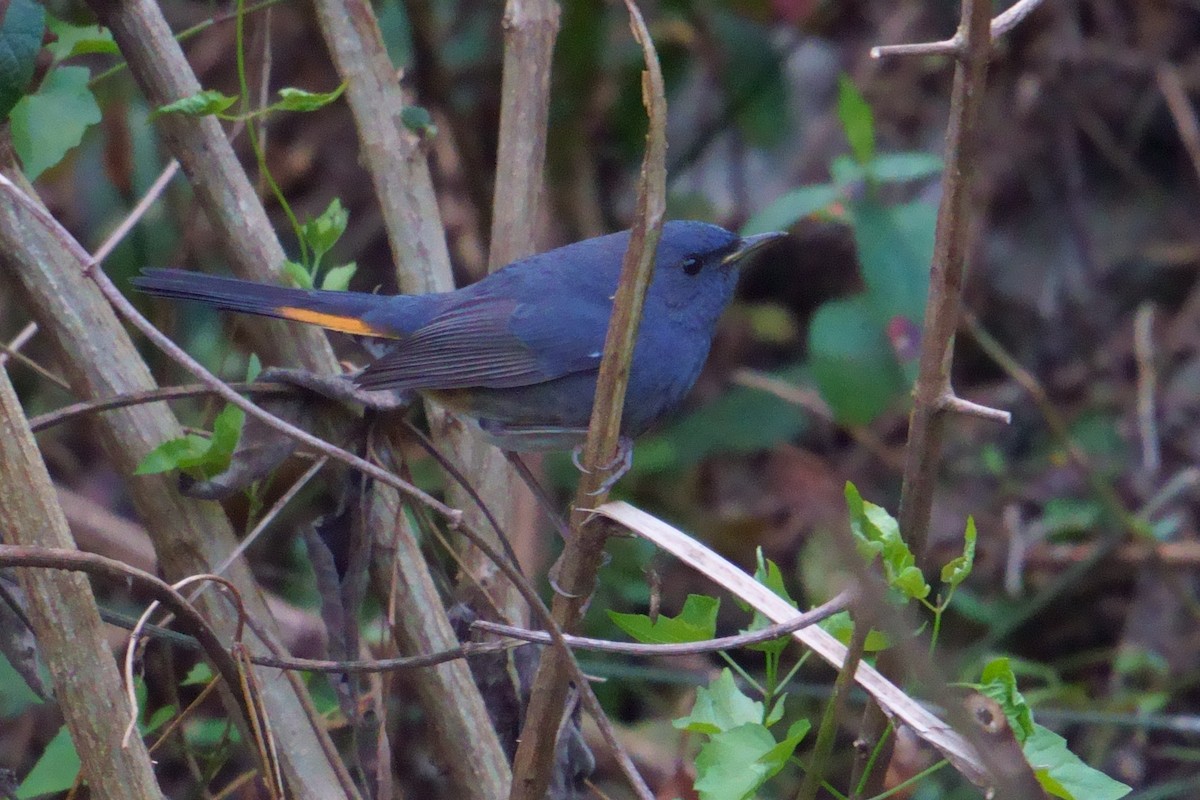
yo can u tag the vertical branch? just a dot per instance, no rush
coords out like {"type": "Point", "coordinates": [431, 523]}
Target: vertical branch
{"type": "Point", "coordinates": [64, 615]}
{"type": "Point", "coordinates": [932, 392]}
{"type": "Point", "coordinates": [530, 28]}
{"type": "Point", "coordinates": [393, 154]}
{"type": "Point", "coordinates": [463, 734]}
{"type": "Point", "coordinates": [580, 561]}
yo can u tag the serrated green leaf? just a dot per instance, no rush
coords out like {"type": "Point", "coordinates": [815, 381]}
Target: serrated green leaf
{"type": "Point", "coordinates": [292, 99]}
{"type": "Point", "coordinates": [901, 167]}
{"type": "Point", "coordinates": [788, 209]}
{"type": "Point", "coordinates": [201, 104]}
{"type": "Point", "coordinates": [696, 622]}
{"type": "Point", "coordinates": [78, 40]}
{"type": "Point", "coordinates": [857, 120]}
{"type": "Point", "coordinates": [721, 706]}
{"type": "Point", "coordinates": [337, 279]}
{"type": "Point", "coordinates": [298, 274]}
{"type": "Point", "coordinates": [48, 124]}
{"type": "Point", "coordinates": [852, 362]}
{"type": "Point", "coordinates": [729, 766]}
{"type": "Point", "coordinates": [877, 533]}
{"type": "Point", "coordinates": [998, 682]}
{"type": "Point", "coordinates": [767, 573]}
{"type": "Point", "coordinates": [20, 40]}
{"type": "Point", "coordinates": [956, 570]}
{"type": "Point", "coordinates": [1063, 774]}
{"type": "Point", "coordinates": [55, 771]}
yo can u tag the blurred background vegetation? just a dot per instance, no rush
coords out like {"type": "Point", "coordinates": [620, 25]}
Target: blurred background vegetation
{"type": "Point", "coordinates": [1085, 234]}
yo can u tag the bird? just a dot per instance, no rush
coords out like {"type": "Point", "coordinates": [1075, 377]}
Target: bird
{"type": "Point", "coordinates": [519, 351]}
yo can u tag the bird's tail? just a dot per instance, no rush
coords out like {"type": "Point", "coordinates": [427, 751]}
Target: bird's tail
{"type": "Point", "coordinates": [338, 311]}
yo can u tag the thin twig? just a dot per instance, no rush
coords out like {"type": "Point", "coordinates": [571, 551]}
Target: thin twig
{"type": "Point", "coordinates": [838, 603]}
{"type": "Point", "coordinates": [20, 340]}
{"type": "Point", "coordinates": [954, 45]}
{"type": "Point", "coordinates": [1147, 390]}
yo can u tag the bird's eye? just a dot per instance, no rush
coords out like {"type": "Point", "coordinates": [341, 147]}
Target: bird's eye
{"type": "Point", "coordinates": [691, 265]}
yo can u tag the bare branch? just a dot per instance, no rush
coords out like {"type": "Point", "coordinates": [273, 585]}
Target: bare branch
{"type": "Point", "coordinates": [952, 402]}
{"type": "Point", "coordinates": [1000, 26]}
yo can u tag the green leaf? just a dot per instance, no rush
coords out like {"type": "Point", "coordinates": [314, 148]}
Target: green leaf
{"type": "Point", "coordinates": [15, 694]}
{"type": "Point", "coordinates": [418, 120]}
{"type": "Point", "coordinates": [337, 279]}
{"type": "Point", "coordinates": [902, 167]}
{"type": "Point", "coordinates": [841, 627]}
{"type": "Point", "coordinates": [721, 706]}
{"type": "Point", "coordinates": [55, 771]}
{"type": "Point", "coordinates": [48, 124]}
{"type": "Point", "coordinates": [956, 570]}
{"type": "Point", "coordinates": [857, 120]}
{"type": "Point", "coordinates": [78, 40]}
{"type": "Point", "coordinates": [777, 757]}
{"type": "Point", "coordinates": [767, 573]}
{"type": "Point", "coordinates": [1069, 515]}
{"type": "Point", "coordinates": [199, 675]}
{"type": "Point", "coordinates": [696, 622]}
{"type": "Point", "coordinates": [20, 40]}
{"type": "Point", "coordinates": [172, 454]}
{"type": "Point", "coordinates": [757, 90]}
{"type": "Point", "coordinates": [1063, 774]}
{"type": "Point", "coordinates": [157, 720]}
{"type": "Point", "coordinates": [741, 420]}
{"type": "Point", "coordinates": [298, 274]}
{"type": "Point", "coordinates": [788, 209]}
{"type": "Point", "coordinates": [253, 368]}
{"type": "Point", "coordinates": [292, 99]}
{"type": "Point", "coordinates": [852, 361]}
{"type": "Point", "coordinates": [734, 763]}
{"type": "Point", "coordinates": [227, 429]}
{"type": "Point", "coordinates": [1000, 683]}
{"type": "Point", "coordinates": [877, 533]}
{"type": "Point", "coordinates": [206, 456]}
{"type": "Point", "coordinates": [895, 249]}
{"type": "Point", "coordinates": [322, 232]}
{"type": "Point", "coordinates": [201, 104]}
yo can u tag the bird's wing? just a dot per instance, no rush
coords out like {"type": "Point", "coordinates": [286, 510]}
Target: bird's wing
{"type": "Point", "coordinates": [489, 342]}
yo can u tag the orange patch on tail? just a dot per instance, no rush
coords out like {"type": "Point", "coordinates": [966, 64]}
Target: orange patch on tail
{"type": "Point", "coordinates": [333, 322]}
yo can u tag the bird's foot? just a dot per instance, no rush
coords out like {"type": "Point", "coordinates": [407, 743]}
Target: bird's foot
{"type": "Point", "coordinates": [617, 468]}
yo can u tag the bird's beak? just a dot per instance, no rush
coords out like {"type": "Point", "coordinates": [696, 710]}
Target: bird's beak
{"type": "Point", "coordinates": [749, 245]}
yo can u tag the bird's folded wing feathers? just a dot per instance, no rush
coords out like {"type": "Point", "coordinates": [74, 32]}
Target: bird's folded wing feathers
{"type": "Point", "coordinates": [487, 342]}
